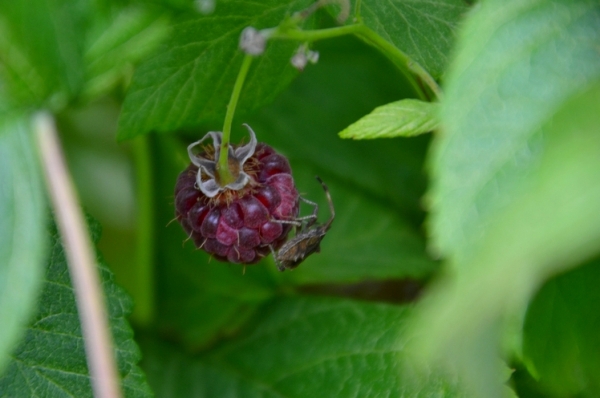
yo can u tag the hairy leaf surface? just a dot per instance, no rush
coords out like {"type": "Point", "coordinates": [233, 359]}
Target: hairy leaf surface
{"type": "Point", "coordinates": [190, 79]}
{"type": "Point", "coordinates": [51, 360]}
{"type": "Point", "coordinates": [423, 30]}
{"type": "Point", "coordinates": [303, 347]}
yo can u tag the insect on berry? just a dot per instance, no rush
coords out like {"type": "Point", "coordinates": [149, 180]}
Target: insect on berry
{"type": "Point", "coordinates": [308, 238]}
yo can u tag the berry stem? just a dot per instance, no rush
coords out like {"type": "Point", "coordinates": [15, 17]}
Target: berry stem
{"type": "Point", "coordinates": [81, 261]}
{"type": "Point", "coordinates": [225, 176]}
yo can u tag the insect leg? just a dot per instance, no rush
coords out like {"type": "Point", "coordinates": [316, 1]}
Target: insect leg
{"type": "Point", "coordinates": [296, 221]}
{"type": "Point", "coordinates": [313, 217]}
{"type": "Point", "coordinates": [299, 222]}
{"type": "Point", "coordinates": [280, 267]}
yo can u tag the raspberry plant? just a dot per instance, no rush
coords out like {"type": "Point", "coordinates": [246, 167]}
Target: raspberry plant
{"type": "Point", "coordinates": [464, 256]}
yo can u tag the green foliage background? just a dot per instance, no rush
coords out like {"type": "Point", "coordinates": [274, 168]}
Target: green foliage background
{"type": "Point", "coordinates": [461, 263]}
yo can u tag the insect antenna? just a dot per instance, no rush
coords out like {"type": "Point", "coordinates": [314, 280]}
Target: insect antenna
{"type": "Point", "coordinates": [327, 225]}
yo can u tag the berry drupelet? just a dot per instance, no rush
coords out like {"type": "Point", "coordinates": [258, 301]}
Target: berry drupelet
{"type": "Point", "coordinates": [240, 221]}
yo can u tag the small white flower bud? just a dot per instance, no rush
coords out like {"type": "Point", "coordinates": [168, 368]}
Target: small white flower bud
{"type": "Point", "coordinates": [312, 56]}
{"type": "Point", "coordinates": [299, 61]}
{"type": "Point", "coordinates": [252, 42]}
{"type": "Point", "coordinates": [205, 7]}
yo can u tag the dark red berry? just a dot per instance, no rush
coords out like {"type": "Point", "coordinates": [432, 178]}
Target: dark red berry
{"type": "Point", "coordinates": [211, 223]}
{"type": "Point", "coordinates": [187, 179]}
{"type": "Point", "coordinates": [249, 238]}
{"type": "Point", "coordinates": [213, 246]}
{"type": "Point", "coordinates": [288, 206]}
{"type": "Point", "coordinates": [186, 199]}
{"type": "Point", "coordinates": [270, 231]}
{"type": "Point", "coordinates": [233, 216]}
{"type": "Point", "coordinates": [254, 212]}
{"type": "Point", "coordinates": [274, 164]}
{"type": "Point", "coordinates": [269, 197]}
{"type": "Point", "coordinates": [262, 151]}
{"type": "Point", "coordinates": [196, 215]}
{"type": "Point", "coordinates": [238, 225]}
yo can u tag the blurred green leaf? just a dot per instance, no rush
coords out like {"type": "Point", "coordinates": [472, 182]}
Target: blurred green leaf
{"type": "Point", "coordinates": [41, 46]}
{"type": "Point", "coordinates": [302, 347]}
{"type": "Point", "coordinates": [304, 121]}
{"type": "Point", "coordinates": [515, 193]}
{"type": "Point", "coordinates": [117, 42]}
{"type": "Point", "coordinates": [404, 118]}
{"type": "Point", "coordinates": [190, 79]}
{"type": "Point", "coordinates": [198, 299]}
{"type": "Point", "coordinates": [561, 340]}
{"type": "Point", "coordinates": [367, 241]}
{"type": "Point", "coordinates": [22, 243]}
{"type": "Point", "coordinates": [500, 91]}
{"type": "Point", "coordinates": [51, 360]}
{"type": "Point", "coordinates": [423, 30]}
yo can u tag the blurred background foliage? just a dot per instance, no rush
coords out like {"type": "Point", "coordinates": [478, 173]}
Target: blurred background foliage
{"type": "Point", "coordinates": [494, 217]}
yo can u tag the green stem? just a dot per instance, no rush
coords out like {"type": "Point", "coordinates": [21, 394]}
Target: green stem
{"type": "Point", "coordinates": [143, 288]}
{"type": "Point", "coordinates": [225, 176]}
{"type": "Point", "coordinates": [407, 66]}
{"type": "Point", "coordinates": [402, 61]}
{"type": "Point", "coordinates": [313, 35]}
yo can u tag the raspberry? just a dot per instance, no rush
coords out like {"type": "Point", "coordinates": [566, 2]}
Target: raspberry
{"type": "Point", "coordinates": [237, 222]}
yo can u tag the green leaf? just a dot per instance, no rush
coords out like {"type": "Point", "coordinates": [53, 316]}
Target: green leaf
{"type": "Point", "coordinates": [22, 243]}
{"type": "Point", "coordinates": [561, 339]}
{"type": "Point", "coordinates": [191, 78]}
{"type": "Point", "coordinates": [302, 347]}
{"type": "Point", "coordinates": [423, 30]}
{"type": "Point", "coordinates": [404, 118]}
{"type": "Point", "coordinates": [515, 173]}
{"type": "Point", "coordinates": [367, 241]}
{"type": "Point", "coordinates": [500, 92]}
{"type": "Point", "coordinates": [41, 46]}
{"type": "Point", "coordinates": [51, 360]}
{"type": "Point", "coordinates": [116, 43]}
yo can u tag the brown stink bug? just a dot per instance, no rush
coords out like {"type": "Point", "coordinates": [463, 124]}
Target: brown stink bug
{"type": "Point", "coordinates": [308, 237]}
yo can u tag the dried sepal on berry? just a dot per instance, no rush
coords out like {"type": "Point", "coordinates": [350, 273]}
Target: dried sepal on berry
{"type": "Point", "coordinates": [211, 186]}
